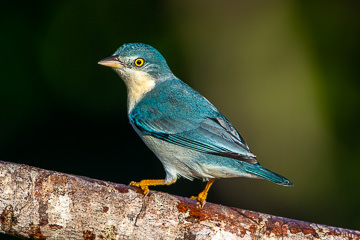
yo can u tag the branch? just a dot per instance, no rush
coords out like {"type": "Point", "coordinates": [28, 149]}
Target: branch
{"type": "Point", "coordinates": [42, 204]}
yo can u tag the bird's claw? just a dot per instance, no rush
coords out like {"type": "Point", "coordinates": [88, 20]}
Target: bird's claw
{"type": "Point", "coordinates": [201, 200]}
{"type": "Point", "coordinates": [143, 188]}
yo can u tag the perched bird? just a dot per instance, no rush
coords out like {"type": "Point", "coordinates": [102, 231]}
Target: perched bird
{"type": "Point", "coordinates": [185, 131]}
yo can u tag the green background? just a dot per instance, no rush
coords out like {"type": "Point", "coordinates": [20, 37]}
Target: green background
{"type": "Point", "coordinates": [285, 73]}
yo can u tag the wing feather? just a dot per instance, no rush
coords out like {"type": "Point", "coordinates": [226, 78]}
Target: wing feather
{"type": "Point", "coordinates": [208, 137]}
{"type": "Point", "coordinates": [178, 114]}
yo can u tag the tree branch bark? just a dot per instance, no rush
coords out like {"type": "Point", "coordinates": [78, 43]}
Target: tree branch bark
{"type": "Point", "coordinates": [43, 204]}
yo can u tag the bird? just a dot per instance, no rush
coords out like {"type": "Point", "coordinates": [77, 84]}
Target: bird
{"type": "Point", "coordinates": [186, 132]}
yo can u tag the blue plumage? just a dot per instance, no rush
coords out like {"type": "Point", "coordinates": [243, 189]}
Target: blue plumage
{"type": "Point", "coordinates": [185, 131]}
{"type": "Point", "coordinates": [198, 126]}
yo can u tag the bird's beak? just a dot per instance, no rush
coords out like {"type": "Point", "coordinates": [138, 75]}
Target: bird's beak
{"type": "Point", "coordinates": [112, 61]}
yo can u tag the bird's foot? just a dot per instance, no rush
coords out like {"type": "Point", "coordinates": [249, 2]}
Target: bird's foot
{"type": "Point", "coordinates": [145, 183]}
{"type": "Point", "coordinates": [201, 199]}
{"type": "Point", "coordinates": [143, 187]}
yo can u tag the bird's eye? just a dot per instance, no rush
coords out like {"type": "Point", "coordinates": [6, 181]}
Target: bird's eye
{"type": "Point", "coordinates": [139, 62]}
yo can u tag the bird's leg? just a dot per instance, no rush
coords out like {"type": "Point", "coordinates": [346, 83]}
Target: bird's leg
{"type": "Point", "coordinates": [201, 198]}
{"type": "Point", "coordinates": [144, 184]}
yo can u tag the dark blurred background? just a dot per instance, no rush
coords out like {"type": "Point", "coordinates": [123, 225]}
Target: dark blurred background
{"type": "Point", "coordinates": [285, 73]}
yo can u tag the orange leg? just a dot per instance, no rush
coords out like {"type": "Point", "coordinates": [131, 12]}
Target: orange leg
{"type": "Point", "coordinates": [144, 184]}
{"type": "Point", "coordinates": [201, 198]}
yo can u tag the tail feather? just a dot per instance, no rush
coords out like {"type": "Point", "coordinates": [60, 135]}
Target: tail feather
{"type": "Point", "coordinates": [264, 173]}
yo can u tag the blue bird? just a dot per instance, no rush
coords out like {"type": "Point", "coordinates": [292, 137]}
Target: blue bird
{"type": "Point", "coordinates": [185, 131]}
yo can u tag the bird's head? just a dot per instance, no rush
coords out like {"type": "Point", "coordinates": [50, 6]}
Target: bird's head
{"type": "Point", "coordinates": [140, 66]}
{"type": "Point", "coordinates": [133, 59]}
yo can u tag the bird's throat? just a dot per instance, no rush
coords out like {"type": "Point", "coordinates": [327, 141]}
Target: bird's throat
{"type": "Point", "coordinates": [138, 83]}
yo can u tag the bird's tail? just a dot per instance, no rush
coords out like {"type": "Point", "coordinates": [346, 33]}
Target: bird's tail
{"type": "Point", "coordinates": [264, 173]}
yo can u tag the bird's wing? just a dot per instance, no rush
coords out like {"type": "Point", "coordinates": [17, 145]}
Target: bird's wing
{"type": "Point", "coordinates": [202, 129]}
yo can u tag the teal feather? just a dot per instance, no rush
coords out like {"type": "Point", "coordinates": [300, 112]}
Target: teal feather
{"type": "Point", "coordinates": [264, 173]}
